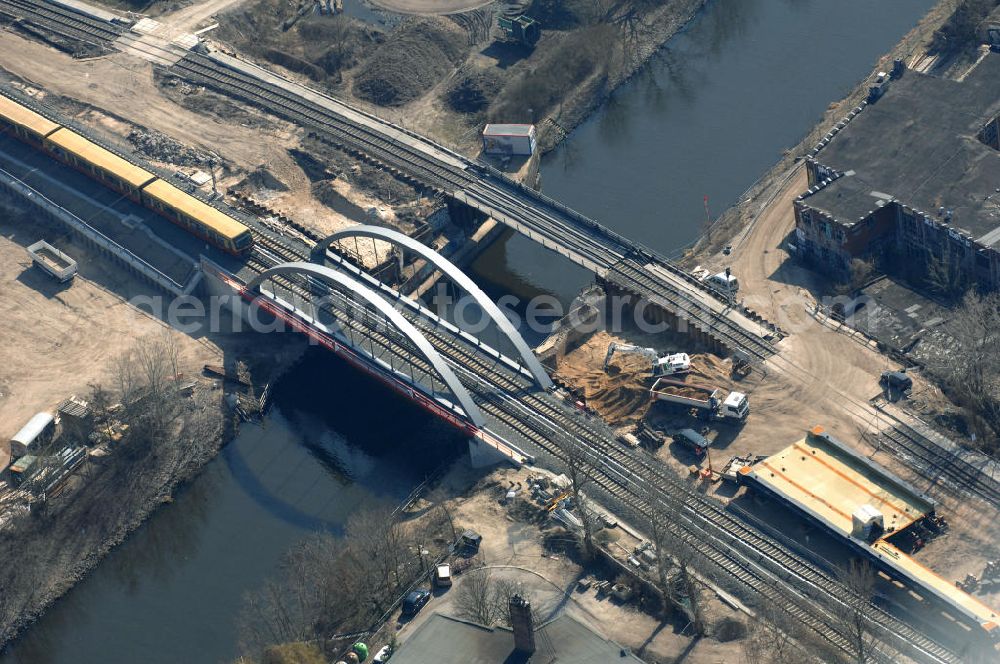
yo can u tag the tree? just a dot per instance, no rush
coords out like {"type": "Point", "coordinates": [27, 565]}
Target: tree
{"type": "Point", "coordinates": [971, 373]}
{"type": "Point", "coordinates": [658, 521]}
{"type": "Point", "coordinates": [475, 599]}
{"type": "Point", "coordinates": [576, 469]}
{"type": "Point", "coordinates": [859, 588]}
{"type": "Point", "coordinates": [771, 639]}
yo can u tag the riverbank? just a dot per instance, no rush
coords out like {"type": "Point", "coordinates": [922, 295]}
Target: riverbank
{"type": "Point", "coordinates": [59, 538]}
{"type": "Point", "coordinates": [652, 34]}
{"type": "Point", "coordinates": [733, 226]}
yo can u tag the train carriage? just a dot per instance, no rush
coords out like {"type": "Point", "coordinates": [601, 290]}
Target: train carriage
{"type": "Point", "coordinates": [24, 123]}
{"type": "Point", "coordinates": [100, 163]}
{"type": "Point", "coordinates": [198, 217]}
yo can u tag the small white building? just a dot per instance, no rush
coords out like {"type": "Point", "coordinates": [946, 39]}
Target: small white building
{"type": "Point", "coordinates": [38, 430]}
{"type": "Point", "coordinates": [509, 139]}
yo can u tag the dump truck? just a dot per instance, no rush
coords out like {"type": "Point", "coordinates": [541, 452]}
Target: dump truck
{"type": "Point", "coordinates": [710, 402]}
{"type": "Point", "coordinates": [52, 261]}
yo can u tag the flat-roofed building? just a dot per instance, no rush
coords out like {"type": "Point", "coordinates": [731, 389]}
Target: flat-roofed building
{"type": "Point", "coordinates": [864, 504]}
{"type": "Point", "coordinates": [912, 180]}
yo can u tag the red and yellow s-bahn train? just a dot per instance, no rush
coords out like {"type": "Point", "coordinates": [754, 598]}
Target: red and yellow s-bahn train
{"type": "Point", "coordinates": [115, 172]}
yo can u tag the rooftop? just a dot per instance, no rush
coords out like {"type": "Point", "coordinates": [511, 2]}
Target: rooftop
{"type": "Point", "coordinates": [445, 640]}
{"type": "Point", "coordinates": [831, 481]}
{"type": "Point", "coordinates": [508, 130]}
{"type": "Point", "coordinates": [918, 145]}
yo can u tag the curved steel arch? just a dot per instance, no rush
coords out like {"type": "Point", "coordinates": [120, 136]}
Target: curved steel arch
{"type": "Point", "coordinates": [329, 275]}
{"type": "Point", "coordinates": [456, 274]}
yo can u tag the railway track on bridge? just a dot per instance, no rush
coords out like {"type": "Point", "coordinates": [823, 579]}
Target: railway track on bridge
{"type": "Point", "coordinates": [625, 477]}
{"type": "Point", "coordinates": [763, 567]}
{"type": "Point", "coordinates": [541, 219]}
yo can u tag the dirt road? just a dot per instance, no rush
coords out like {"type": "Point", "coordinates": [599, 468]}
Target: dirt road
{"type": "Point", "coordinates": [60, 338]}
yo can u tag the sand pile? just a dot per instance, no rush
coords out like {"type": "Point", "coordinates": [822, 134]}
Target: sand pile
{"type": "Point", "coordinates": [621, 395]}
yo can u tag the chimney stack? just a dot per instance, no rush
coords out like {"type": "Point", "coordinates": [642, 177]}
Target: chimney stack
{"type": "Point", "coordinates": [522, 624]}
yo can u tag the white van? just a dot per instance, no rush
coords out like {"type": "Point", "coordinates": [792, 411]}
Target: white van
{"type": "Point", "coordinates": [726, 283]}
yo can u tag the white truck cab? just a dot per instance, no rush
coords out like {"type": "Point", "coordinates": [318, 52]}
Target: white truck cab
{"type": "Point", "coordinates": [736, 406]}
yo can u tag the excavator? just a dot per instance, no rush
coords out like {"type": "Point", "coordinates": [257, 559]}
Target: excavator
{"type": "Point", "coordinates": [667, 365]}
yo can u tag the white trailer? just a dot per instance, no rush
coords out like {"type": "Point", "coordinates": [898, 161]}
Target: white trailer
{"type": "Point", "coordinates": [37, 431]}
{"type": "Point", "coordinates": [509, 139]}
{"type": "Point", "coordinates": [52, 261]}
{"type": "Point", "coordinates": [707, 400]}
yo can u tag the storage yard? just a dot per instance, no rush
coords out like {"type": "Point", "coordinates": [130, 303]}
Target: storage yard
{"type": "Point", "coordinates": [696, 423]}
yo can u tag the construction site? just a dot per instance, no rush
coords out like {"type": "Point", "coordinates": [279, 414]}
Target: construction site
{"type": "Point", "coordinates": [701, 461]}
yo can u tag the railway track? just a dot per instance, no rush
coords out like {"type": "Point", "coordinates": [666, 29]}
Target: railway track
{"type": "Point", "coordinates": [623, 476]}
{"type": "Point", "coordinates": [960, 476]}
{"type": "Point", "coordinates": [542, 219]}
{"type": "Point", "coordinates": [63, 21]}
{"type": "Point", "coordinates": [762, 566]}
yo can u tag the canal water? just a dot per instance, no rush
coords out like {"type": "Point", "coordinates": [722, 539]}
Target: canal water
{"type": "Point", "coordinates": [716, 108]}
{"type": "Point", "coordinates": [745, 81]}
{"type": "Point", "coordinates": [334, 440]}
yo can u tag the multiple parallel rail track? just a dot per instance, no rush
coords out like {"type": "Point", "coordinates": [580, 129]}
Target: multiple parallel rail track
{"type": "Point", "coordinates": [939, 464]}
{"type": "Point", "coordinates": [63, 21]}
{"type": "Point", "coordinates": [764, 567]}
{"type": "Point", "coordinates": [627, 480]}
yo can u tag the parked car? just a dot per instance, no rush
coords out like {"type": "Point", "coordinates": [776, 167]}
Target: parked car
{"type": "Point", "coordinates": [442, 575]}
{"type": "Point", "coordinates": [382, 655]}
{"type": "Point", "coordinates": [415, 601]}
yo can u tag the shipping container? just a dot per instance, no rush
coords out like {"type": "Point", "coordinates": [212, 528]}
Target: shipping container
{"type": "Point", "coordinates": [509, 139]}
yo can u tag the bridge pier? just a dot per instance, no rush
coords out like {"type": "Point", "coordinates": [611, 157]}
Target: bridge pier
{"type": "Point", "coordinates": [483, 455]}
{"type": "Point", "coordinates": [654, 313]}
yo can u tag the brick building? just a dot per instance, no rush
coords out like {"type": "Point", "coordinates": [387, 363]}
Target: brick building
{"type": "Point", "coordinates": [912, 179]}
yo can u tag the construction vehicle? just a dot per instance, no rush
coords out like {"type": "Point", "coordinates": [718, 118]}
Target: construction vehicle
{"type": "Point", "coordinates": [667, 365]}
{"type": "Point", "coordinates": [708, 402]}
{"type": "Point", "coordinates": [519, 29]}
{"type": "Point", "coordinates": [742, 364]}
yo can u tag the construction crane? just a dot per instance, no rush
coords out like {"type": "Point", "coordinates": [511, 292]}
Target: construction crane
{"type": "Point", "coordinates": [667, 365]}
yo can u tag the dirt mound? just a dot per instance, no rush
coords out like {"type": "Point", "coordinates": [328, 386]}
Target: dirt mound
{"type": "Point", "coordinates": [474, 91]}
{"type": "Point", "coordinates": [261, 178]}
{"type": "Point", "coordinates": [410, 62]}
{"type": "Point", "coordinates": [619, 396]}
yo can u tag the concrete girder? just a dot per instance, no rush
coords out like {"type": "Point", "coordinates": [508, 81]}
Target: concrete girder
{"type": "Point", "coordinates": [457, 275]}
{"type": "Point", "coordinates": [396, 319]}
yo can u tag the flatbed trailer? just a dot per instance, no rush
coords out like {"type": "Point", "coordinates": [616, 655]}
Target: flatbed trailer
{"type": "Point", "coordinates": [52, 261]}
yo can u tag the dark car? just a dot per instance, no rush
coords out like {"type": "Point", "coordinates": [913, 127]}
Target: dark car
{"type": "Point", "coordinates": [415, 601]}
{"type": "Point", "coordinates": [692, 440]}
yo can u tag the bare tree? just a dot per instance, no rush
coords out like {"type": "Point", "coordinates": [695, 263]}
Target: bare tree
{"type": "Point", "coordinates": [972, 372]}
{"type": "Point", "coordinates": [475, 598]}
{"type": "Point", "coordinates": [771, 638]}
{"type": "Point", "coordinates": [442, 516]}
{"type": "Point", "coordinates": [859, 586]}
{"type": "Point", "coordinates": [126, 377]}
{"type": "Point", "coordinates": [658, 520]}
{"type": "Point", "coordinates": [579, 476]}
